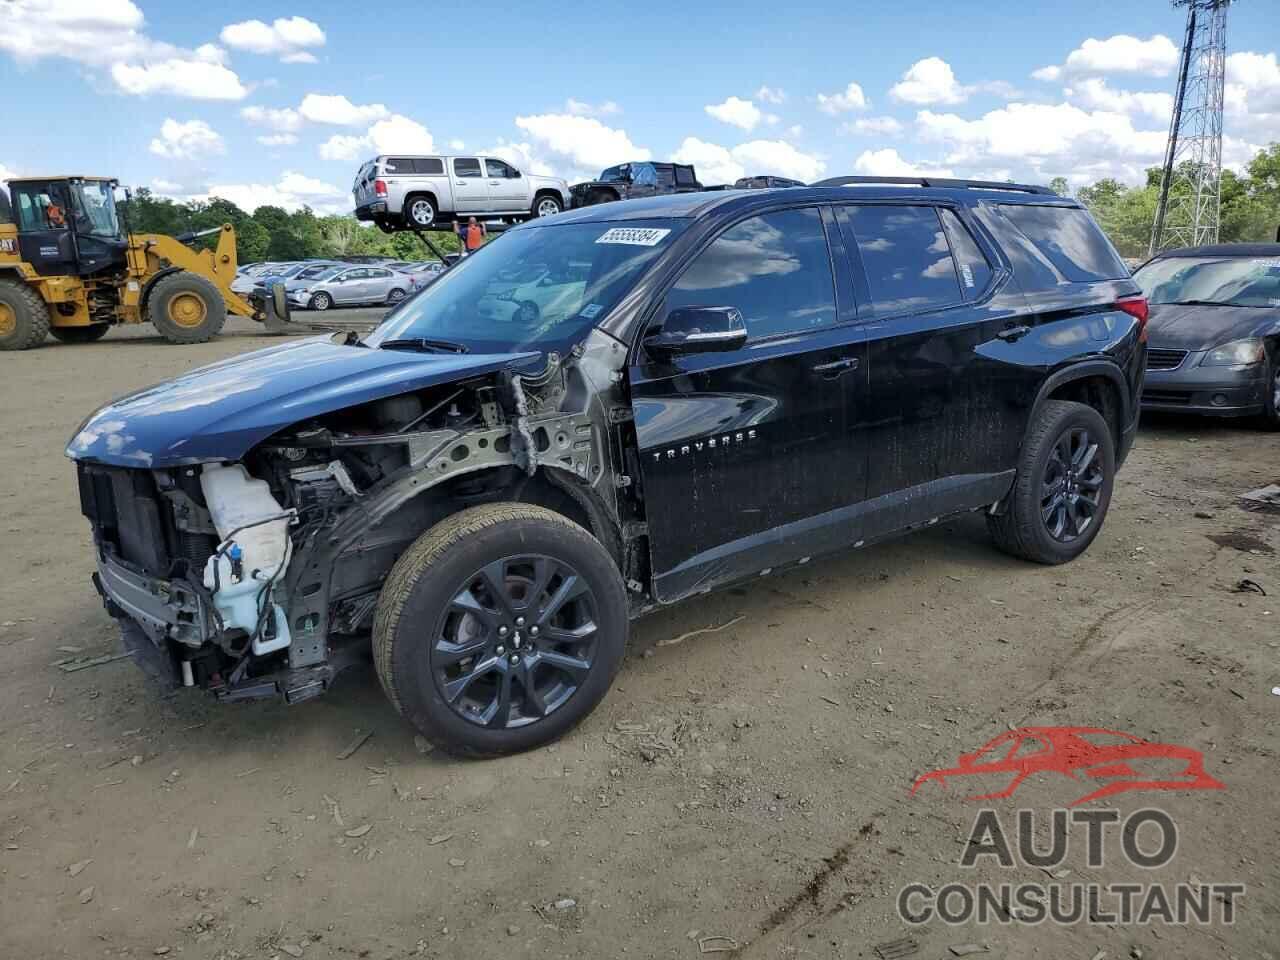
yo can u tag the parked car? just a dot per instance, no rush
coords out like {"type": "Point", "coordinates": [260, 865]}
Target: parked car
{"type": "Point", "coordinates": [670, 395]}
{"type": "Point", "coordinates": [628, 181]}
{"type": "Point", "coordinates": [304, 270]}
{"type": "Point", "coordinates": [765, 183]}
{"type": "Point", "coordinates": [1214, 331]}
{"type": "Point", "coordinates": [247, 277]}
{"type": "Point", "coordinates": [349, 286]}
{"type": "Point", "coordinates": [420, 192]}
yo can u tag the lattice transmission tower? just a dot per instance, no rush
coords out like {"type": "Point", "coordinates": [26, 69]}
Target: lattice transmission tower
{"type": "Point", "coordinates": [1190, 185]}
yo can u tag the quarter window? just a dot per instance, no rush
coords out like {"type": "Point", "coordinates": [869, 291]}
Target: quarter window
{"type": "Point", "coordinates": [971, 263]}
{"type": "Point", "coordinates": [775, 268]}
{"type": "Point", "coordinates": [466, 167]}
{"type": "Point", "coordinates": [906, 257]}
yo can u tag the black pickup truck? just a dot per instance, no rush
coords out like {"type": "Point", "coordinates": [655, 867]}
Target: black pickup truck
{"type": "Point", "coordinates": [628, 181]}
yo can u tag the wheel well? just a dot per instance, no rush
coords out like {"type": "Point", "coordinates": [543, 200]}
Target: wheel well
{"type": "Point", "coordinates": [1098, 392]}
{"type": "Point", "coordinates": [604, 192]}
{"type": "Point", "coordinates": [145, 299]}
{"type": "Point", "coordinates": [544, 192]}
{"type": "Point", "coordinates": [409, 198]}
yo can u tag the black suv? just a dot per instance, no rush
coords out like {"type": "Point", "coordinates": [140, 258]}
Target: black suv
{"type": "Point", "coordinates": [636, 180]}
{"type": "Point", "coordinates": [606, 411]}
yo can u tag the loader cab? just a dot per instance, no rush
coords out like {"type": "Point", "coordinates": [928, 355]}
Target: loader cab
{"type": "Point", "coordinates": [68, 226]}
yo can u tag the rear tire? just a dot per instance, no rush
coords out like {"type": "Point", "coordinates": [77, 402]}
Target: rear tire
{"type": "Point", "coordinates": [80, 334]}
{"type": "Point", "coordinates": [530, 680]}
{"type": "Point", "coordinates": [186, 308]}
{"type": "Point", "coordinates": [419, 212]}
{"type": "Point", "coordinates": [1052, 513]}
{"type": "Point", "coordinates": [395, 296]}
{"type": "Point", "coordinates": [24, 316]}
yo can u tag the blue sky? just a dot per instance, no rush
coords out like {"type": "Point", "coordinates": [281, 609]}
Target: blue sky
{"type": "Point", "coordinates": [280, 103]}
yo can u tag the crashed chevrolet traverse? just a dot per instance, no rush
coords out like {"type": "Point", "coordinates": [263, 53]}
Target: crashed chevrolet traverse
{"type": "Point", "coordinates": [607, 411]}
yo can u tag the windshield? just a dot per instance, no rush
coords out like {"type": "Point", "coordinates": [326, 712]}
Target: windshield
{"type": "Point", "coordinates": [537, 288]}
{"type": "Point", "coordinates": [615, 173]}
{"type": "Point", "coordinates": [1236, 281]}
{"type": "Point", "coordinates": [95, 209]}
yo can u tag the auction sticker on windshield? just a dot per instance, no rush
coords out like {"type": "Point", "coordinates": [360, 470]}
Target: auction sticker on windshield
{"type": "Point", "coordinates": [634, 236]}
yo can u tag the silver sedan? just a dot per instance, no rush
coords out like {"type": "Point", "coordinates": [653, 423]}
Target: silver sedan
{"type": "Point", "coordinates": [347, 286]}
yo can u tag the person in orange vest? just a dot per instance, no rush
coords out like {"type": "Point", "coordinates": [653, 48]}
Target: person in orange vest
{"type": "Point", "coordinates": [473, 237]}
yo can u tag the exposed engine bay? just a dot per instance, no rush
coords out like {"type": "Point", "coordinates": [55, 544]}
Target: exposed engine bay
{"type": "Point", "coordinates": [261, 578]}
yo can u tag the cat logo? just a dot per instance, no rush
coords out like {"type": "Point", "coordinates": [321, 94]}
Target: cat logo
{"type": "Point", "coordinates": [8, 245]}
{"type": "Point", "coordinates": [710, 443]}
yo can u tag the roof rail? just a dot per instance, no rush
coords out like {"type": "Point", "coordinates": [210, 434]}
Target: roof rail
{"type": "Point", "coordinates": [934, 182]}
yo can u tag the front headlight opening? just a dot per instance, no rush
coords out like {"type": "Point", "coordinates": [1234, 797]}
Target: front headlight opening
{"type": "Point", "coordinates": [1236, 353]}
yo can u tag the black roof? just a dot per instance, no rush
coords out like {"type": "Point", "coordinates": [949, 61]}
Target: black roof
{"type": "Point", "coordinates": [696, 204]}
{"type": "Point", "coordinates": [1223, 250]}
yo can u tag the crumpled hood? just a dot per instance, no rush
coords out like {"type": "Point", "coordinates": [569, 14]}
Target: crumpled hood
{"type": "Point", "coordinates": [221, 411]}
{"type": "Point", "coordinates": [1182, 326]}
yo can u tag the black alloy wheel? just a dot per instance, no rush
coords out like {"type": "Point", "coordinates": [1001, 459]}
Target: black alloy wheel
{"type": "Point", "coordinates": [1071, 488]}
{"type": "Point", "coordinates": [516, 642]}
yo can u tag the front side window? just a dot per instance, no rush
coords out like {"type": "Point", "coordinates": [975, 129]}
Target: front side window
{"type": "Point", "coordinates": [499, 170]}
{"type": "Point", "coordinates": [466, 167]}
{"type": "Point", "coordinates": [774, 268]}
{"type": "Point", "coordinates": [1230, 281]}
{"type": "Point", "coordinates": [906, 258]}
{"type": "Point", "coordinates": [95, 209]}
{"type": "Point", "coordinates": [535, 288]}
{"type": "Point", "coordinates": [643, 174]}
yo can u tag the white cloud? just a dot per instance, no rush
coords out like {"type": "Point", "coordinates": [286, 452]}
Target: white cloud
{"type": "Point", "coordinates": [778, 158]}
{"type": "Point", "coordinates": [584, 140]}
{"type": "Point", "coordinates": [7, 173]}
{"type": "Point", "coordinates": [456, 144]}
{"type": "Point", "coordinates": [580, 108]}
{"type": "Point", "coordinates": [278, 140]}
{"type": "Point", "coordinates": [522, 156]}
{"type": "Point", "coordinates": [1156, 56]}
{"type": "Point", "coordinates": [292, 192]}
{"type": "Point", "coordinates": [850, 98]}
{"type": "Point", "coordinates": [1047, 140]}
{"type": "Point", "coordinates": [1253, 85]}
{"type": "Point", "coordinates": [338, 110]}
{"type": "Point", "coordinates": [735, 111]}
{"type": "Point", "coordinates": [772, 95]}
{"type": "Point", "coordinates": [879, 126]}
{"type": "Point", "coordinates": [887, 163]}
{"type": "Point", "coordinates": [286, 37]}
{"type": "Point", "coordinates": [180, 141]}
{"type": "Point", "coordinates": [395, 134]}
{"type": "Point", "coordinates": [714, 163]}
{"type": "Point", "coordinates": [795, 131]}
{"type": "Point", "coordinates": [930, 80]}
{"type": "Point", "coordinates": [167, 187]}
{"type": "Point", "coordinates": [283, 119]}
{"type": "Point", "coordinates": [1092, 93]}
{"type": "Point", "coordinates": [197, 79]}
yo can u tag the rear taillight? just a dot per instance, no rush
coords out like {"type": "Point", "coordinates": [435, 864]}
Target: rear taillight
{"type": "Point", "coordinates": [1137, 308]}
{"type": "Point", "coordinates": [380, 188]}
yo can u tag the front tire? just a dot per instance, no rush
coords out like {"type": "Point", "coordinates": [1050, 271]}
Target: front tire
{"type": "Point", "coordinates": [1063, 485]}
{"type": "Point", "coordinates": [186, 308]}
{"type": "Point", "coordinates": [80, 334]}
{"type": "Point", "coordinates": [500, 629]}
{"type": "Point", "coordinates": [1271, 401]}
{"type": "Point", "coordinates": [24, 316]}
{"type": "Point", "coordinates": [321, 301]}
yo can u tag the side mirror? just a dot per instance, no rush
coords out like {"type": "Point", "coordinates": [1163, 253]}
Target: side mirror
{"type": "Point", "coordinates": [515, 174]}
{"type": "Point", "coordinates": [698, 330]}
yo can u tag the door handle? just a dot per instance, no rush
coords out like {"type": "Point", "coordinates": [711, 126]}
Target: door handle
{"type": "Point", "coordinates": [836, 367]}
{"type": "Point", "coordinates": [1010, 334]}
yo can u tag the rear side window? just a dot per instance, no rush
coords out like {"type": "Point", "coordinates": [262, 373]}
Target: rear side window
{"type": "Point", "coordinates": [906, 257]}
{"type": "Point", "coordinates": [1069, 239]}
{"type": "Point", "coordinates": [684, 176]}
{"type": "Point", "coordinates": [466, 167]}
{"type": "Point", "coordinates": [971, 262]}
{"type": "Point", "coordinates": [774, 268]}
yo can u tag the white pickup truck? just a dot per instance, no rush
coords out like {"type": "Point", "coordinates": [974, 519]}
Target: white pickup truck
{"type": "Point", "coordinates": [419, 192]}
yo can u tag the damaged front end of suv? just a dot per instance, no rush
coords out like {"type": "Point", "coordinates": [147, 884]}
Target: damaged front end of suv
{"type": "Point", "coordinates": [247, 514]}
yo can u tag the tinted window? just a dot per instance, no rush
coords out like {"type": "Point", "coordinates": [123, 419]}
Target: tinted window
{"type": "Point", "coordinates": [684, 176]}
{"type": "Point", "coordinates": [906, 256]}
{"type": "Point", "coordinates": [466, 167]}
{"type": "Point", "coordinates": [1070, 240]}
{"type": "Point", "coordinates": [428, 166]}
{"type": "Point", "coordinates": [397, 165]}
{"type": "Point", "coordinates": [499, 170]}
{"type": "Point", "coordinates": [774, 268]}
{"type": "Point", "coordinates": [971, 262]}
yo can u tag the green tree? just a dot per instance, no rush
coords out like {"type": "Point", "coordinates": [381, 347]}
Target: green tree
{"type": "Point", "coordinates": [1060, 186]}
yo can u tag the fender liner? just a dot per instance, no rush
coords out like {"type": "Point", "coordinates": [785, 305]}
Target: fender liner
{"type": "Point", "coordinates": [1083, 370]}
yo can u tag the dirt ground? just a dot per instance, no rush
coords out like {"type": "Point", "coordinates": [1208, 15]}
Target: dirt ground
{"type": "Point", "coordinates": [751, 783]}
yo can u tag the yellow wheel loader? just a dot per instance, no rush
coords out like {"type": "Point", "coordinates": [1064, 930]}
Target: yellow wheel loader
{"type": "Point", "coordinates": [67, 268]}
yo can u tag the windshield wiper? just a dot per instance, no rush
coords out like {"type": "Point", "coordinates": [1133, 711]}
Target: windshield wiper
{"type": "Point", "coordinates": [425, 344]}
{"type": "Point", "coordinates": [1204, 303]}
